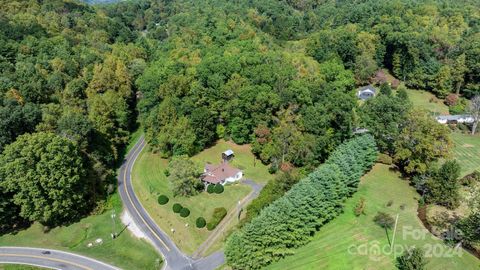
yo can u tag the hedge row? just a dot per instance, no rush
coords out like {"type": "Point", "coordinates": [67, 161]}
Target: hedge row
{"type": "Point", "coordinates": [217, 188]}
{"type": "Point", "coordinates": [291, 221]}
{"type": "Point", "coordinates": [179, 209]}
{"type": "Point", "coordinates": [217, 216]}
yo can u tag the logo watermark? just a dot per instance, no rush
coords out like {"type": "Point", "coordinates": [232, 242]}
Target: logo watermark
{"type": "Point", "coordinates": [375, 250]}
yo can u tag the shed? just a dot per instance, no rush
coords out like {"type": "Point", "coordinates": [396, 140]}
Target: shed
{"type": "Point", "coordinates": [227, 155]}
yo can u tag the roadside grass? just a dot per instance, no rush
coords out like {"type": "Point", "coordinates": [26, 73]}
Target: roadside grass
{"type": "Point", "coordinates": [425, 100]}
{"type": "Point", "coordinates": [149, 181]}
{"type": "Point", "coordinates": [350, 242]}
{"type": "Point", "coordinates": [467, 151]}
{"type": "Point", "coordinates": [19, 267]}
{"type": "Point", "coordinates": [126, 251]}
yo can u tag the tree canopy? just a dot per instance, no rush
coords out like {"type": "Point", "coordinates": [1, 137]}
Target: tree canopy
{"type": "Point", "coordinates": [46, 175]}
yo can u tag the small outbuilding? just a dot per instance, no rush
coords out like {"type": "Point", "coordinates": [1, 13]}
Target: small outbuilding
{"type": "Point", "coordinates": [228, 155]}
{"type": "Point", "coordinates": [366, 92]}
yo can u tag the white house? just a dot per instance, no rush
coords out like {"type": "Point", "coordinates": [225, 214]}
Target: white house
{"type": "Point", "coordinates": [223, 173]}
{"type": "Point", "coordinates": [366, 92]}
{"type": "Point", "coordinates": [455, 119]}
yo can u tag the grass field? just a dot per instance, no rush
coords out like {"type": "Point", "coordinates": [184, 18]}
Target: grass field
{"type": "Point", "coordinates": [349, 242]}
{"type": "Point", "coordinates": [150, 181]}
{"type": "Point", "coordinates": [425, 100]}
{"type": "Point", "coordinates": [467, 151]}
{"type": "Point", "coordinates": [126, 251]}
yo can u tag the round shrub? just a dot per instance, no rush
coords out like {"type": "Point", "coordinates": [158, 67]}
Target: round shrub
{"type": "Point", "coordinates": [184, 212]}
{"type": "Point", "coordinates": [162, 199]}
{"type": "Point", "coordinates": [177, 208]}
{"type": "Point", "coordinates": [211, 226]}
{"type": "Point", "coordinates": [211, 189]}
{"type": "Point", "coordinates": [218, 188]}
{"type": "Point", "coordinates": [200, 222]}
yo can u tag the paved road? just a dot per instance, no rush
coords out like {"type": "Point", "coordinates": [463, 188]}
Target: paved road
{"type": "Point", "coordinates": [55, 260]}
{"type": "Point", "coordinates": [174, 258]}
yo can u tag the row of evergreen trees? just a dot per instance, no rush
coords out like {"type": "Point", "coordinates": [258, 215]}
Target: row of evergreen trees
{"type": "Point", "coordinates": [292, 220]}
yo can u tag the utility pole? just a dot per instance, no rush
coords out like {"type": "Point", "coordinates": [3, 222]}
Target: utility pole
{"type": "Point", "coordinates": [394, 232]}
{"type": "Point", "coordinates": [114, 234]}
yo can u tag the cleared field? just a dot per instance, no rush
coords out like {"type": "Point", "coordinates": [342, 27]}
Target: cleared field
{"type": "Point", "coordinates": [350, 242]}
{"type": "Point", "coordinates": [467, 151]}
{"type": "Point", "coordinates": [150, 181]}
{"type": "Point", "coordinates": [425, 100]}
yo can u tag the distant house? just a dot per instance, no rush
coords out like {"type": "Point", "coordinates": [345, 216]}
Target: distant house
{"type": "Point", "coordinates": [220, 174]}
{"type": "Point", "coordinates": [366, 92]}
{"type": "Point", "coordinates": [455, 119]}
{"type": "Point", "coordinates": [227, 155]}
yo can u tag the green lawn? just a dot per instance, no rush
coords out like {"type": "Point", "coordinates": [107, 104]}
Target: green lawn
{"type": "Point", "coordinates": [425, 100]}
{"type": "Point", "coordinates": [126, 251]}
{"type": "Point", "coordinates": [467, 151]}
{"type": "Point", "coordinates": [150, 181]}
{"type": "Point", "coordinates": [339, 245]}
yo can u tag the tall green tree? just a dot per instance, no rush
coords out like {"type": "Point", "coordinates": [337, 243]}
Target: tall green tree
{"type": "Point", "coordinates": [46, 175]}
{"type": "Point", "coordinates": [184, 176]}
{"type": "Point", "coordinates": [384, 116]}
{"type": "Point", "coordinates": [421, 141]}
{"type": "Point", "coordinates": [443, 187]}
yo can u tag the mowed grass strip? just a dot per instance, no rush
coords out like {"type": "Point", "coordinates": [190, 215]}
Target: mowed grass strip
{"type": "Point", "coordinates": [125, 251]}
{"type": "Point", "coordinates": [149, 182]}
{"type": "Point", "coordinates": [350, 242]}
{"type": "Point", "coordinates": [467, 151]}
{"type": "Point", "coordinates": [427, 101]}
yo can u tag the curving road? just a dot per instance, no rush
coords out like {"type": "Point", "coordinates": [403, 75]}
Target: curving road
{"type": "Point", "coordinates": [173, 257]}
{"type": "Point", "coordinates": [53, 259]}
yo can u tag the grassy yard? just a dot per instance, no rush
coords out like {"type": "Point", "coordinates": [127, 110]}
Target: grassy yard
{"type": "Point", "coordinates": [425, 100]}
{"type": "Point", "coordinates": [150, 181]}
{"type": "Point", "coordinates": [349, 242]}
{"type": "Point", "coordinates": [125, 251]}
{"type": "Point", "coordinates": [467, 151]}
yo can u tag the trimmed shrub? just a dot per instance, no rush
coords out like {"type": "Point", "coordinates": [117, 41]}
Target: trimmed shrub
{"type": "Point", "coordinates": [177, 208]}
{"type": "Point", "coordinates": [200, 222]}
{"type": "Point", "coordinates": [211, 188]}
{"type": "Point", "coordinates": [360, 207]}
{"type": "Point", "coordinates": [218, 188]}
{"type": "Point", "coordinates": [210, 226]}
{"type": "Point", "coordinates": [185, 212]}
{"type": "Point", "coordinates": [162, 199]}
{"type": "Point", "coordinates": [218, 214]}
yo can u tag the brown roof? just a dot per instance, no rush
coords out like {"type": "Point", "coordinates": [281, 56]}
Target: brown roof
{"type": "Point", "coordinates": [217, 173]}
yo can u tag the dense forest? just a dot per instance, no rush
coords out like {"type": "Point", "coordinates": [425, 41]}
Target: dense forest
{"type": "Point", "coordinates": [76, 79]}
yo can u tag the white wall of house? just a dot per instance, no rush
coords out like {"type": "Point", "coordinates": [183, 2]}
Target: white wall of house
{"type": "Point", "coordinates": [234, 178]}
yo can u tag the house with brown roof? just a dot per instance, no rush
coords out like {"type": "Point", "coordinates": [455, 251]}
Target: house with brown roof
{"type": "Point", "coordinates": [222, 173]}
